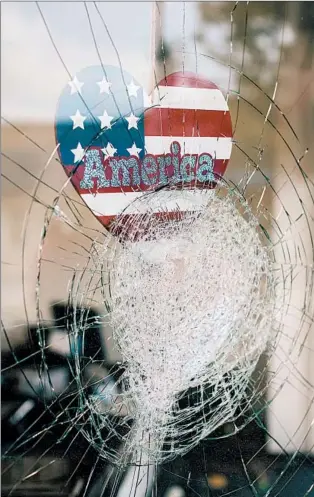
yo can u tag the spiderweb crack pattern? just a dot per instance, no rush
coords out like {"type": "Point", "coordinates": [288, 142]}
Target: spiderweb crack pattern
{"type": "Point", "coordinates": [192, 307]}
{"type": "Point", "coordinates": [269, 249]}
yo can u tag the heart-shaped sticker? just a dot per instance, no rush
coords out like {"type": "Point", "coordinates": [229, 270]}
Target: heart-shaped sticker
{"type": "Point", "coordinates": [116, 142]}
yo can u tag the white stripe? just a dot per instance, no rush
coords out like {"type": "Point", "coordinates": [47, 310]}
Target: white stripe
{"type": "Point", "coordinates": [110, 204]}
{"type": "Point", "coordinates": [175, 97]}
{"type": "Point", "coordinates": [219, 148]}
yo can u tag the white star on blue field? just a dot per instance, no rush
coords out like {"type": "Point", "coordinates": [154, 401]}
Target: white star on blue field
{"type": "Point", "coordinates": [102, 106]}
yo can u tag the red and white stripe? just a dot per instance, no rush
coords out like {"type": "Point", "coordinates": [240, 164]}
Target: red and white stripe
{"type": "Point", "coordinates": [184, 108]}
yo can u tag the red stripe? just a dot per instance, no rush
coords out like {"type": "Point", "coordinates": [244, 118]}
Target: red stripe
{"type": "Point", "coordinates": [127, 221]}
{"type": "Point", "coordinates": [130, 218]}
{"type": "Point", "coordinates": [105, 220]}
{"type": "Point", "coordinates": [220, 166]}
{"type": "Point", "coordinates": [187, 79]}
{"type": "Point", "coordinates": [187, 122]}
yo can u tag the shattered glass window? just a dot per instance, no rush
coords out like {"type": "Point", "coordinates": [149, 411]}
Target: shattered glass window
{"type": "Point", "coordinates": [161, 345]}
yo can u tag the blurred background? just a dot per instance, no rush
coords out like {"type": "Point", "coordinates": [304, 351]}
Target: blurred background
{"type": "Point", "coordinates": [252, 51]}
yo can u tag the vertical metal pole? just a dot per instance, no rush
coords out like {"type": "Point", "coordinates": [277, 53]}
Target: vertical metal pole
{"type": "Point", "coordinates": [156, 39]}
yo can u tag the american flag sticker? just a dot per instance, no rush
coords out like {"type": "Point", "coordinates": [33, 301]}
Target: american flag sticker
{"type": "Point", "coordinates": [117, 142]}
